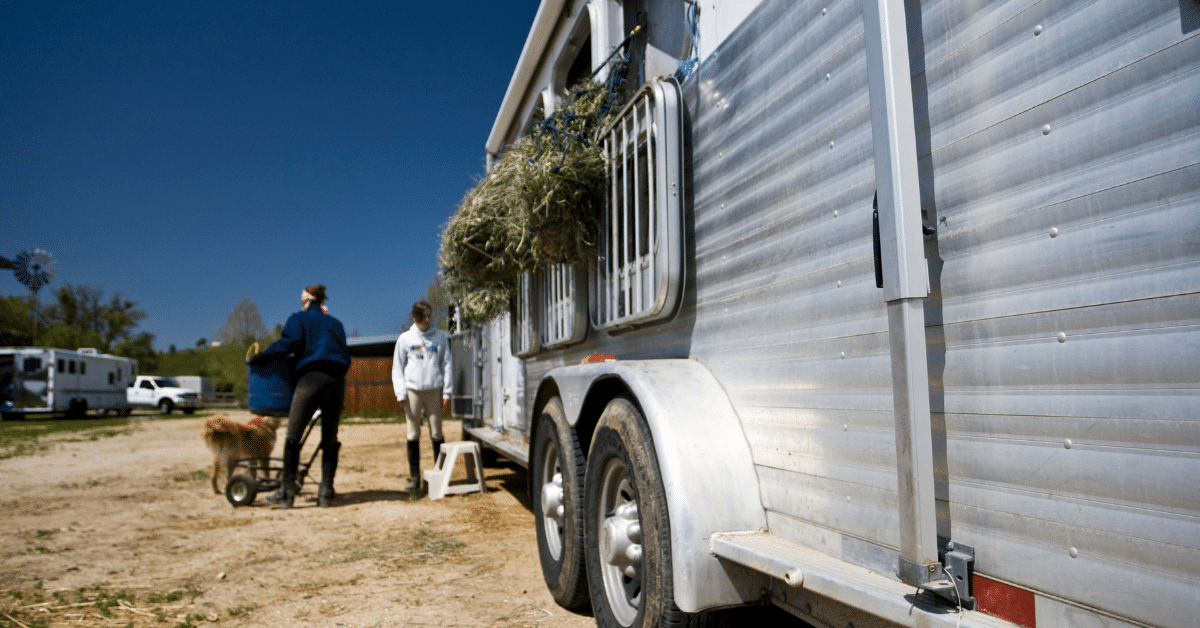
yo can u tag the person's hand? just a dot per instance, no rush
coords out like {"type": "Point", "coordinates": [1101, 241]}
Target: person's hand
{"type": "Point", "coordinates": [445, 407]}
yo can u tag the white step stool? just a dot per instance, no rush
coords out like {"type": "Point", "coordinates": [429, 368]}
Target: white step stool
{"type": "Point", "coordinates": [438, 478]}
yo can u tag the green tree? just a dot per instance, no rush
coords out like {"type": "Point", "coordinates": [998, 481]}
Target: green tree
{"type": "Point", "coordinates": [83, 318]}
{"type": "Point", "coordinates": [141, 348]}
{"type": "Point", "coordinates": [63, 336]}
{"type": "Point", "coordinates": [243, 326]}
{"type": "Point", "coordinates": [16, 324]}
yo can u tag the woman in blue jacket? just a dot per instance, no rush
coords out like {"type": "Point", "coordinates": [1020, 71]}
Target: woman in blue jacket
{"type": "Point", "coordinates": [316, 343]}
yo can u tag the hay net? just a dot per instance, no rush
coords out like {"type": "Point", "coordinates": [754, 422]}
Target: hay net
{"type": "Point", "coordinates": [538, 204]}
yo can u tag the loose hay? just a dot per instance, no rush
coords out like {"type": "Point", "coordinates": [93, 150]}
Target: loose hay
{"type": "Point", "coordinates": [537, 206]}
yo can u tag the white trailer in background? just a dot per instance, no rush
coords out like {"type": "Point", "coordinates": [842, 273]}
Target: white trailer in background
{"type": "Point", "coordinates": [987, 391]}
{"type": "Point", "coordinates": [40, 380]}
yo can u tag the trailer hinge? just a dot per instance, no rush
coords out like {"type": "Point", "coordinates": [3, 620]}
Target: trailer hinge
{"type": "Point", "coordinates": [958, 560]}
{"type": "Point", "coordinates": [956, 564]}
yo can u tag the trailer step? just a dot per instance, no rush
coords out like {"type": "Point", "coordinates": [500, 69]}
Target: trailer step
{"type": "Point", "coordinates": [804, 568]}
{"type": "Point", "coordinates": [505, 445]}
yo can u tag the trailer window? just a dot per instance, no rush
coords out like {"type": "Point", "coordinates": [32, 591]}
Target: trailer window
{"type": "Point", "coordinates": [62, 365]}
{"type": "Point", "coordinates": [524, 333]}
{"type": "Point", "coordinates": [549, 311]}
{"type": "Point", "coordinates": [70, 366]}
{"type": "Point", "coordinates": [33, 365]}
{"type": "Point", "coordinates": [561, 295]}
{"type": "Point", "coordinates": [112, 378]}
{"type": "Point", "coordinates": [638, 268]}
{"type": "Point", "coordinates": [82, 367]}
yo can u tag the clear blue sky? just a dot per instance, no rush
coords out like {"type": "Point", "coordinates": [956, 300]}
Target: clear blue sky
{"type": "Point", "coordinates": [186, 153]}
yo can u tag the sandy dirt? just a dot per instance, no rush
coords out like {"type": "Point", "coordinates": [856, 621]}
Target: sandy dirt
{"type": "Point", "coordinates": [125, 531]}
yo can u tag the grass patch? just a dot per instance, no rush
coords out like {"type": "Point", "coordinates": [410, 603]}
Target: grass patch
{"type": "Point", "coordinates": [86, 605]}
{"type": "Point", "coordinates": [379, 414]}
{"type": "Point", "coordinates": [194, 476]}
{"type": "Point", "coordinates": [26, 438]}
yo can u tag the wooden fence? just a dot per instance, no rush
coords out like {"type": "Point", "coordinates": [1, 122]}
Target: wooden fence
{"type": "Point", "coordinates": [369, 386]}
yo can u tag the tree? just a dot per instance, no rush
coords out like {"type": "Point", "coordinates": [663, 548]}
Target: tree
{"type": "Point", "coordinates": [81, 317]}
{"type": "Point", "coordinates": [141, 348]}
{"type": "Point", "coordinates": [243, 326]}
{"type": "Point", "coordinates": [15, 322]}
{"type": "Point", "coordinates": [63, 336]}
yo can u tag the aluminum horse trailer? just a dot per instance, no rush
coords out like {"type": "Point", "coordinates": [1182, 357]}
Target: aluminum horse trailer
{"type": "Point", "coordinates": [60, 381]}
{"type": "Point", "coordinates": [904, 297]}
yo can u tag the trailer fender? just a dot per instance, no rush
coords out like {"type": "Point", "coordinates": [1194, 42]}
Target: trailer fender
{"type": "Point", "coordinates": [704, 461]}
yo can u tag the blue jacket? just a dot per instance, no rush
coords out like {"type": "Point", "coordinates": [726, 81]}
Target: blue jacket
{"type": "Point", "coordinates": [316, 339]}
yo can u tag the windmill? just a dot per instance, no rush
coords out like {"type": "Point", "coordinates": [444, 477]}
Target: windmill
{"type": "Point", "coordinates": [34, 268]}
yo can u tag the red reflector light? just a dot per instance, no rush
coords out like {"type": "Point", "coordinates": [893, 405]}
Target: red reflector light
{"type": "Point", "coordinates": [1004, 601]}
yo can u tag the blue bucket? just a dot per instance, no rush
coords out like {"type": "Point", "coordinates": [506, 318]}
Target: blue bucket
{"type": "Point", "coordinates": [270, 386]}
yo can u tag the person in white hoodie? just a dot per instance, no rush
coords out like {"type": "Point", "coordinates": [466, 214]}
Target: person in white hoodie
{"type": "Point", "coordinates": [421, 368]}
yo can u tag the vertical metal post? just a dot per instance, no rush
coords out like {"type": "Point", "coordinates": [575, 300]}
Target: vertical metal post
{"type": "Point", "coordinates": [905, 281]}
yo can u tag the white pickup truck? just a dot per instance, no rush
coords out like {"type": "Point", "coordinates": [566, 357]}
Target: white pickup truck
{"type": "Point", "coordinates": [149, 390]}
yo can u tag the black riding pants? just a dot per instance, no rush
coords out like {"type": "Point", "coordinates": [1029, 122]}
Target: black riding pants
{"type": "Point", "coordinates": [317, 390]}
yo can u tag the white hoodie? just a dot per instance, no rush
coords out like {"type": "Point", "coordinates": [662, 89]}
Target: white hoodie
{"type": "Point", "coordinates": [422, 362]}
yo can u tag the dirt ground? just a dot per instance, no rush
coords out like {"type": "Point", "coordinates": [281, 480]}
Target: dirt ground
{"type": "Point", "coordinates": [125, 531]}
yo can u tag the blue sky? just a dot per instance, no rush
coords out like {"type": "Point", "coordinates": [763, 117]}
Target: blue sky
{"type": "Point", "coordinates": [186, 154]}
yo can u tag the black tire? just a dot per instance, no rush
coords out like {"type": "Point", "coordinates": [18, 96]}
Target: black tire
{"type": "Point", "coordinates": [627, 528]}
{"type": "Point", "coordinates": [558, 466]}
{"type": "Point", "coordinates": [189, 410]}
{"type": "Point", "coordinates": [77, 409]}
{"type": "Point", "coordinates": [241, 490]}
{"type": "Point", "coordinates": [165, 406]}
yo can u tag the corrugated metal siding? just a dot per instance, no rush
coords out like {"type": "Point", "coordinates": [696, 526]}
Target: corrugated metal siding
{"type": "Point", "coordinates": [782, 306]}
{"type": "Point", "coordinates": [369, 386]}
{"type": "Point", "coordinates": [788, 316]}
{"type": "Point", "coordinates": [1060, 166]}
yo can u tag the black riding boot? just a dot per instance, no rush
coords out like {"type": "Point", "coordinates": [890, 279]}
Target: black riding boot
{"type": "Point", "coordinates": [329, 459]}
{"type": "Point", "coordinates": [414, 465]}
{"type": "Point", "coordinates": [437, 449]}
{"type": "Point", "coordinates": [287, 478]}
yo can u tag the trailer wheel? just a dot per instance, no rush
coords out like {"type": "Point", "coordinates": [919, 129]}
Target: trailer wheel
{"type": "Point", "coordinates": [165, 406]}
{"type": "Point", "coordinates": [628, 532]}
{"type": "Point", "coordinates": [77, 409]}
{"type": "Point", "coordinates": [241, 490]}
{"type": "Point", "coordinates": [189, 410]}
{"type": "Point", "coordinates": [558, 467]}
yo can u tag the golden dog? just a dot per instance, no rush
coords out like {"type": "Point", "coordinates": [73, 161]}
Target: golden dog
{"type": "Point", "coordinates": [229, 441]}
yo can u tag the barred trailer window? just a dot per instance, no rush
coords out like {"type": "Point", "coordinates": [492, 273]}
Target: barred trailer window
{"type": "Point", "coordinates": [525, 339]}
{"type": "Point", "coordinates": [549, 311]}
{"type": "Point", "coordinates": [638, 269]}
{"type": "Point", "coordinates": [561, 295]}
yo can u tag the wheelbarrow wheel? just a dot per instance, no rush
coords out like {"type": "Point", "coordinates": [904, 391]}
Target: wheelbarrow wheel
{"type": "Point", "coordinates": [241, 490]}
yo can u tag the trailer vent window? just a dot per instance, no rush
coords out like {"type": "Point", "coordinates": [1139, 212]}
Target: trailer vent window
{"type": "Point", "coordinates": [638, 269]}
{"type": "Point", "coordinates": [525, 338]}
{"type": "Point", "coordinates": [560, 290]}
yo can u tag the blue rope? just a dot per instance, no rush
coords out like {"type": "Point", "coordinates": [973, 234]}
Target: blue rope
{"type": "Point", "coordinates": [612, 84]}
{"type": "Point", "coordinates": [687, 66]}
